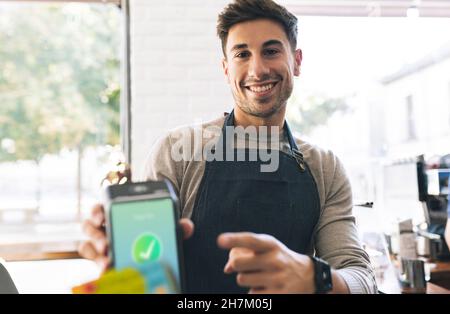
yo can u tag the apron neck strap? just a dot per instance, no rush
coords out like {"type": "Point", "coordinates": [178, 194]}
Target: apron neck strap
{"type": "Point", "coordinates": [229, 121]}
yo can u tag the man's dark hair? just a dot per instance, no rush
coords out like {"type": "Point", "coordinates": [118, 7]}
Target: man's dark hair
{"type": "Point", "coordinates": [246, 10]}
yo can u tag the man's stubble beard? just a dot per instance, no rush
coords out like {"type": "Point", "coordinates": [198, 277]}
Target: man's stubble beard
{"type": "Point", "coordinates": [279, 104]}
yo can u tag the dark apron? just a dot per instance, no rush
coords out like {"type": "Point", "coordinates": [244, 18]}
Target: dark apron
{"type": "Point", "coordinates": [236, 196]}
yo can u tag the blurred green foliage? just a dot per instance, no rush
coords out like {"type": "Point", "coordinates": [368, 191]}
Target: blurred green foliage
{"type": "Point", "coordinates": [59, 78]}
{"type": "Point", "coordinates": [313, 111]}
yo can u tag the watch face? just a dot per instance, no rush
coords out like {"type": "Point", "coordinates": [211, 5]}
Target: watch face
{"type": "Point", "coordinates": [327, 280]}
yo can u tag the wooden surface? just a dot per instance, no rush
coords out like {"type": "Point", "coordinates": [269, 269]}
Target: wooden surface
{"type": "Point", "coordinates": [435, 289]}
{"type": "Point", "coordinates": [440, 274]}
{"type": "Point", "coordinates": [37, 256]}
{"type": "Point", "coordinates": [440, 267]}
{"type": "Point", "coordinates": [439, 280]}
{"type": "Point", "coordinates": [430, 289]}
{"type": "Point", "coordinates": [39, 251]}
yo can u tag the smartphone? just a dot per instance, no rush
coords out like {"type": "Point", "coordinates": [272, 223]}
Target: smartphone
{"type": "Point", "coordinates": [144, 234]}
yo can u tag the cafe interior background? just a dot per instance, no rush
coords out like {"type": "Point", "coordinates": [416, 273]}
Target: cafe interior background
{"type": "Point", "coordinates": [85, 84]}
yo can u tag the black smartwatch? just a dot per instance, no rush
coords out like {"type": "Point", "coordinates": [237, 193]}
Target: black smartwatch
{"type": "Point", "coordinates": [322, 275]}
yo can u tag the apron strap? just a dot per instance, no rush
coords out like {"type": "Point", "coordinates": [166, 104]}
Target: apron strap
{"type": "Point", "coordinates": [294, 151]}
{"type": "Point", "coordinates": [229, 121]}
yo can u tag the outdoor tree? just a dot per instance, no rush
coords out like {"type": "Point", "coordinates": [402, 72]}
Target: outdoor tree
{"type": "Point", "coordinates": [59, 80]}
{"type": "Point", "coordinates": [305, 115]}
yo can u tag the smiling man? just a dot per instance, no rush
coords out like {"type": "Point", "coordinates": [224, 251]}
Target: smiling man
{"type": "Point", "coordinates": [260, 64]}
{"type": "Point", "coordinates": [288, 230]}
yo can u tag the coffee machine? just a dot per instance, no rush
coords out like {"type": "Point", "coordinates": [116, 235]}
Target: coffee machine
{"type": "Point", "coordinates": [433, 183]}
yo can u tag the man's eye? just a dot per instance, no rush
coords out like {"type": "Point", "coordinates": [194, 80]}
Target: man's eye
{"type": "Point", "coordinates": [243, 54]}
{"type": "Point", "coordinates": [270, 52]}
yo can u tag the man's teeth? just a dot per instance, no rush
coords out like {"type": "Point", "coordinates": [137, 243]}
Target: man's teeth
{"type": "Point", "coordinates": [260, 89]}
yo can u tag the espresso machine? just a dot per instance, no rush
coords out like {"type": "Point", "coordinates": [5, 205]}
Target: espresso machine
{"type": "Point", "coordinates": [433, 183]}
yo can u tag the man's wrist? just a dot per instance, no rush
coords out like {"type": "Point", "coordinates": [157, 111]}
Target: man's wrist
{"type": "Point", "coordinates": [323, 282]}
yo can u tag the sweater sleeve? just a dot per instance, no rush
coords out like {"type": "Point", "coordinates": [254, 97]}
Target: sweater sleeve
{"type": "Point", "coordinates": [160, 164]}
{"type": "Point", "coordinates": [336, 238]}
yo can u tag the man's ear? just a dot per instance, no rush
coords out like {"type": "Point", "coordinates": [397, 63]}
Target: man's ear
{"type": "Point", "coordinates": [298, 56]}
{"type": "Point", "coordinates": [225, 69]}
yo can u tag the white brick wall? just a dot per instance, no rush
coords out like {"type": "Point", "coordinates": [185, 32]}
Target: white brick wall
{"type": "Point", "coordinates": [176, 72]}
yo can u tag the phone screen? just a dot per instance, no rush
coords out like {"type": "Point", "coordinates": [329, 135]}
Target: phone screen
{"type": "Point", "coordinates": [144, 232]}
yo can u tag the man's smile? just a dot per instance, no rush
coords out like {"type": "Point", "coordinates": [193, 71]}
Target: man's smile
{"type": "Point", "coordinates": [262, 89]}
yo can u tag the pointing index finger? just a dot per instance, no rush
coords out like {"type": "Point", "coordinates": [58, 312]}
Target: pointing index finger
{"type": "Point", "coordinates": [259, 243]}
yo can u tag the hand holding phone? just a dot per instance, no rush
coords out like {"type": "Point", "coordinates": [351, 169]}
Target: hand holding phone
{"type": "Point", "coordinates": [96, 247]}
{"type": "Point", "coordinates": [143, 232]}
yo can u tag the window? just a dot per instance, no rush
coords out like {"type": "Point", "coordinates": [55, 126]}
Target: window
{"type": "Point", "coordinates": [350, 97]}
{"type": "Point", "coordinates": [410, 120]}
{"type": "Point", "coordinates": [59, 120]}
{"type": "Point", "coordinates": [448, 105]}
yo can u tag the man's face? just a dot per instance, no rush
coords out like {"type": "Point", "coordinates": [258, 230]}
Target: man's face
{"type": "Point", "coordinates": [260, 66]}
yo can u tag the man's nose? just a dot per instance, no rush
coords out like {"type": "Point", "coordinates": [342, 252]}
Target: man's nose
{"type": "Point", "coordinates": [258, 68]}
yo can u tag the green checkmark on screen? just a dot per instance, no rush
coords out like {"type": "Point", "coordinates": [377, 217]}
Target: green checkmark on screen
{"type": "Point", "coordinates": [146, 248]}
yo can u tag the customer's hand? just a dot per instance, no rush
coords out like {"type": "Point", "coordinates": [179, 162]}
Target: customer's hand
{"type": "Point", "coordinates": [96, 248]}
{"type": "Point", "coordinates": [265, 265]}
